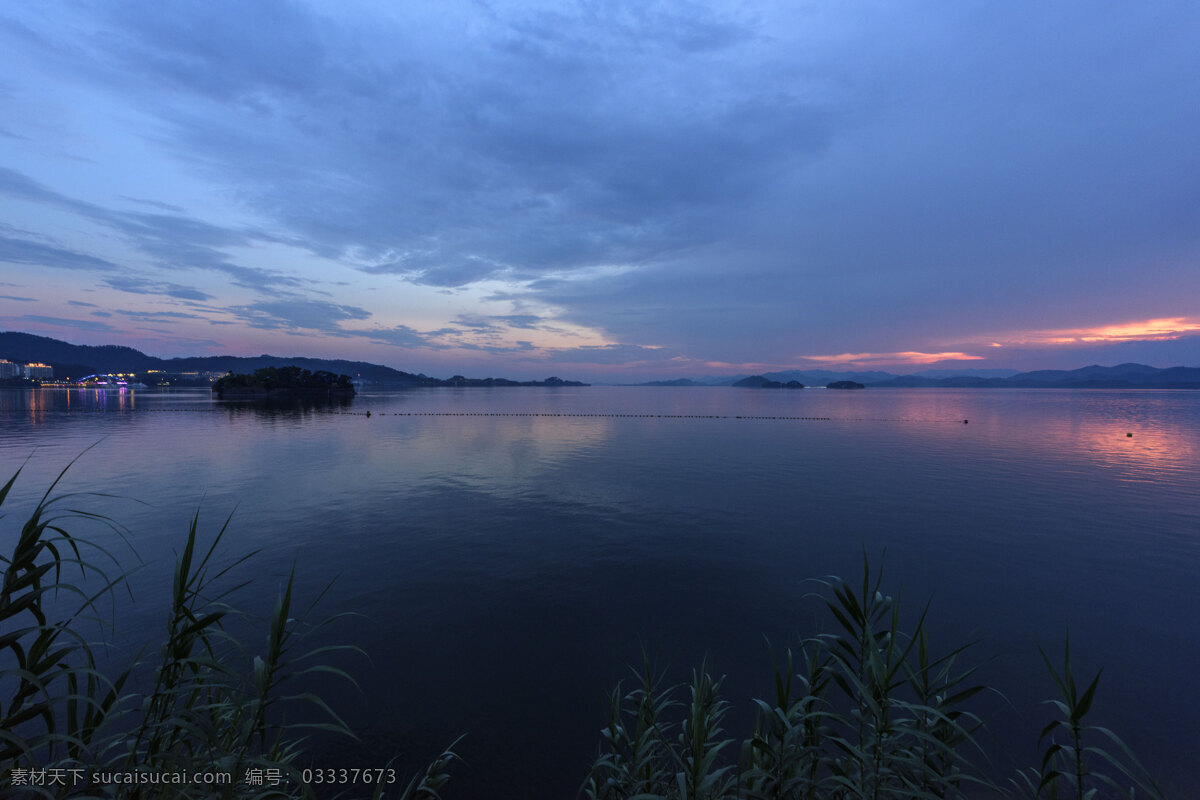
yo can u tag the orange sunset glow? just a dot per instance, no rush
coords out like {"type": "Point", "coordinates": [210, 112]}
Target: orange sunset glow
{"type": "Point", "coordinates": [881, 359]}
{"type": "Point", "coordinates": [1150, 330]}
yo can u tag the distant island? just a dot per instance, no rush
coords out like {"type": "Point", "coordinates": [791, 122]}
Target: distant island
{"type": "Point", "coordinates": [675, 382]}
{"type": "Point", "coordinates": [276, 382]}
{"type": "Point", "coordinates": [760, 382]}
{"type": "Point", "coordinates": [459, 380]}
{"type": "Point", "coordinates": [763, 382]}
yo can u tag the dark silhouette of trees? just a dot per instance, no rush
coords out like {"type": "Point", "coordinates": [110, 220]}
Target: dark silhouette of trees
{"type": "Point", "coordinates": [270, 379]}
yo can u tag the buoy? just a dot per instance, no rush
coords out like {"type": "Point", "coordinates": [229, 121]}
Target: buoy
{"type": "Point", "coordinates": [1129, 435]}
{"type": "Point", "coordinates": [368, 413]}
{"type": "Point", "coordinates": [965, 421]}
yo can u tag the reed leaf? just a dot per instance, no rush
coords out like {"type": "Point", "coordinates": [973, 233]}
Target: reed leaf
{"type": "Point", "coordinates": [200, 713]}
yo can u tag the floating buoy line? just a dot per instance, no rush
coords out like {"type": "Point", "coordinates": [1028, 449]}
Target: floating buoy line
{"type": "Point", "coordinates": [551, 414]}
{"type": "Point", "coordinates": [601, 415]}
{"type": "Point", "coordinates": [546, 414]}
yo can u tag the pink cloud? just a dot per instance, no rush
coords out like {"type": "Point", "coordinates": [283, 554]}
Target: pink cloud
{"type": "Point", "coordinates": [1150, 330]}
{"type": "Point", "coordinates": [885, 359]}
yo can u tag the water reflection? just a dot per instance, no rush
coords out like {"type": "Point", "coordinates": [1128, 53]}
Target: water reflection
{"type": "Point", "coordinates": [105, 399]}
{"type": "Point", "coordinates": [1067, 427]}
{"type": "Point", "coordinates": [21, 401]}
{"type": "Point", "coordinates": [1150, 453]}
{"type": "Point", "coordinates": [492, 453]}
{"type": "Point", "coordinates": [39, 402]}
{"type": "Point", "coordinates": [1141, 435]}
{"type": "Point", "coordinates": [290, 408]}
{"type": "Point", "coordinates": [479, 526]}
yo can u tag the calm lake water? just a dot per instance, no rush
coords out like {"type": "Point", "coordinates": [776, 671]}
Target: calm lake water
{"type": "Point", "coordinates": [510, 551]}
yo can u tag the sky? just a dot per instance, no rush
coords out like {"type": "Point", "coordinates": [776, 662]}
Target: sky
{"type": "Point", "coordinates": [606, 190]}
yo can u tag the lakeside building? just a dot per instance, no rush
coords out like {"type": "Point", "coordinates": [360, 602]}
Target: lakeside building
{"type": "Point", "coordinates": [38, 370]}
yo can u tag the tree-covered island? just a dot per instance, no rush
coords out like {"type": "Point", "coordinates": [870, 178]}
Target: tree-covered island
{"type": "Point", "coordinates": [282, 381]}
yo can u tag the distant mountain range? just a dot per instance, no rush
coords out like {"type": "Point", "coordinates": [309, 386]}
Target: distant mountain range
{"type": "Point", "coordinates": [74, 360]}
{"type": "Point", "coordinates": [1122, 376]}
{"type": "Point", "coordinates": [78, 360]}
{"type": "Point", "coordinates": [820, 377]}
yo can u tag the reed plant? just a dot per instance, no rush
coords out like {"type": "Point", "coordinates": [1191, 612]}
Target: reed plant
{"type": "Point", "coordinates": [637, 757]}
{"type": "Point", "coordinates": [52, 697]}
{"type": "Point", "coordinates": [63, 720]}
{"type": "Point", "coordinates": [868, 712]}
{"type": "Point", "coordinates": [1068, 767]}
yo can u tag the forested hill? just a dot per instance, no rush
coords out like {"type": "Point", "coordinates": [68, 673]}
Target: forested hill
{"type": "Point", "coordinates": [1122, 376]}
{"type": "Point", "coordinates": [77, 360]}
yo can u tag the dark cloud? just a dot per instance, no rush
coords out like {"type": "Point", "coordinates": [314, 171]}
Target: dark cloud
{"type": "Point", "coordinates": [80, 303]}
{"type": "Point", "coordinates": [311, 315]}
{"type": "Point", "coordinates": [526, 321]}
{"type": "Point", "coordinates": [136, 285]}
{"type": "Point", "coordinates": [35, 254]}
{"type": "Point", "coordinates": [157, 315]}
{"type": "Point", "coordinates": [175, 242]}
{"type": "Point", "coordinates": [550, 145]}
{"type": "Point", "coordinates": [401, 336]}
{"type": "Point", "coordinates": [476, 322]}
{"type": "Point", "coordinates": [612, 354]}
{"type": "Point", "coordinates": [14, 184]}
{"type": "Point", "coordinates": [596, 30]}
{"type": "Point", "coordinates": [439, 269]}
{"type": "Point", "coordinates": [59, 322]}
{"type": "Point", "coordinates": [500, 322]}
{"type": "Point", "coordinates": [498, 349]}
{"type": "Point", "coordinates": [185, 243]}
{"type": "Point", "coordinates": [218, 48]}
{"type": "Point", "coordinates": [18, 299]}
{"type": "Point", "coordinates": [174, 209]}
{"type": "Point", "coordinates": [730, 182]}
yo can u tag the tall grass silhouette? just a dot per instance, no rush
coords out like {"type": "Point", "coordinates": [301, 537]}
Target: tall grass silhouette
{"type": "Point", "coordinates": [866, 711]}
{"type": "Point", "coordinates": [208, 706]}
